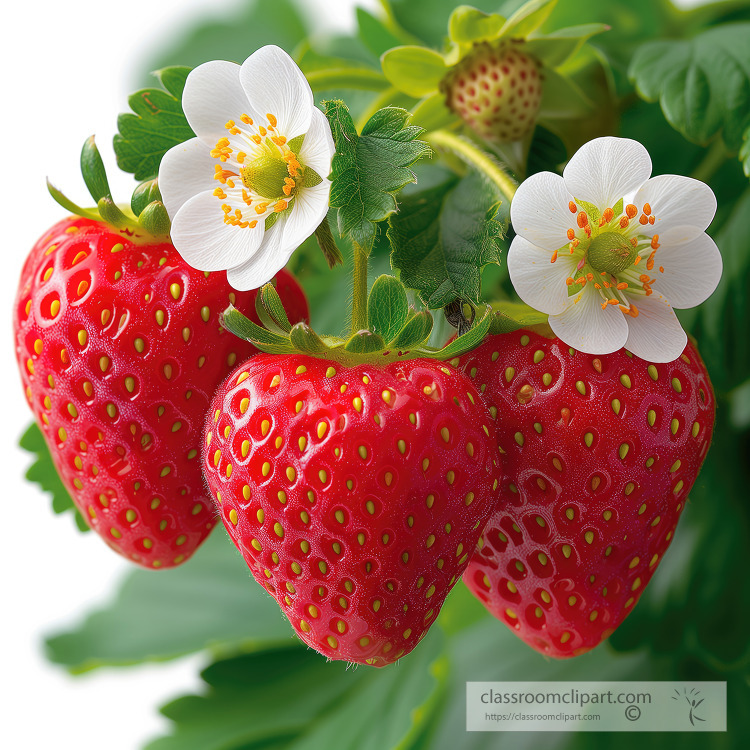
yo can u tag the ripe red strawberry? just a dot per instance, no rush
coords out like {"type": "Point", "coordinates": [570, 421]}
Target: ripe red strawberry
{"type": "Point", "coordinates": [600, 453]}
{"type": "Point", "coordinates": [120, 350]}
{"type": "Point", "coordinates": [497, 90]}
{"type": "Point", "coordinates": [355, 494]}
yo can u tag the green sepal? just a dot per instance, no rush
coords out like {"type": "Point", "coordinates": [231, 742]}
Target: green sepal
{"type": "Point", "coordinates": [416, 331]}
{"type": "Point", "coordinates": [93, 171]}
{"type": "Point", "coordinates": [510, 316]}
{"type": "Point", "coordinates": [467, 25]}
{"type": "Point", "coordinates": [559, 46]}
{"type": "Point", "coordinates": [387, 307]}
{"type": "Point", "coordinates": [62, 200]}
{"type": "Point", "coordinates": [271, 219]}
{"type": "Point", "coordinates": [562, 98]}
{"type": "Point", "coordinates": [296, 143]}
{"type": "Point", "coordinates": [593, 211]}
{"type": "Point", "coordinates": [744, 155]}
{"type": "Point", "coordinates": [304, 339]}
{"type": "Point", "coordinates": [417, 71]}
{"type": "Point", "coordinates": [431, 113]}
{"type": "Point", "coordinates": [267, 341]}
{"type": "Point", "coordinates": [111, 214]}
{"type": "Point", "coordinates": [272, 304]}
{"type": "Point", "coordinates": [155, 219]}
{"type": "Point", "coordinates": [328, 245]}
{"type": "Point", "coordinates": [310, 178]}
{"type": "Point", "coordinates": [147, 192]}
{"type": "Point", "coordinates": [470, 340]}
{"type": "Point", "coordinates": [365, 342]}
{"type": "Point", "coordinates": [528, 18]}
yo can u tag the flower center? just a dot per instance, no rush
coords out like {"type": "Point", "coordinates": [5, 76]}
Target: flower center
{"type": "Point", "coordinates": [608, 247]}
{"type": "Point", "coordinates": [268, 176]}
{"type": "Point", "coordinates": [611, 252]}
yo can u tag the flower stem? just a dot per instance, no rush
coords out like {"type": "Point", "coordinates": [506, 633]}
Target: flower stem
{"type": "Point", "coordinates": [715, 156]}
{"type": "Point", "coordinates": [359, 290]}
{"type": "Point", "coordinates": [347, 78]}
{"type": "Point", "coordinates": [476, 158]}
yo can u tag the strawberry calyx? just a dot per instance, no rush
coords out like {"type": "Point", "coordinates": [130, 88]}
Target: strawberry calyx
{"type": "Point", "coordinates": [145, 220]}
{"type": "Point", "coordinates": [395, 330]}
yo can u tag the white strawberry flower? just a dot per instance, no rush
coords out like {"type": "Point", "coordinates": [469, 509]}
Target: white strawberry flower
{"type": "Point", "coordinates": [607, 252]}
{"type": "Point", "coordinates": [253, 185]}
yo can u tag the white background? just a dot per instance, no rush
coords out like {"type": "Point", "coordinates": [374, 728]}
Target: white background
{"type": "Point", "coordinates": [67, 68]}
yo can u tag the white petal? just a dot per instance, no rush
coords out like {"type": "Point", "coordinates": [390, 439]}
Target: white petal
{"type": "Point", "coordinates": [205, 241]}
{"type": "Point", "coordinates": [264, 264]}
{"type": "Point", "coordinates": [306, 213]}
{"type": "Point", "coordinates": [588, 328]}
{"type": "Point", "coordinates": [214, 95]}
{"type": "Point", "coordinates": [655, 335]}
{"type": "Point", "coordinates": [691, 271]}
{"type": "Point", "coordinates": [275, 85]}
{"type": "Point", "coordinates": [185, 171]}
{"type": "Point", "coordinates": [318, 147]}
{"type": "Point", "coordinates": [606, 169]}
{"type": "Point", "coordinates": [537, 281]}
{"type": "Point", "coordinates": [540, 212]}
{"type": "Point", "coordinates": [677, 203]}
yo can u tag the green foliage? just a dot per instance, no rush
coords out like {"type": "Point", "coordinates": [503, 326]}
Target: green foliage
{"type": "Point", "coordinates": [702, 84]}
{"type": "Point", "coordinates": [43, 473]}
{"type": "Point", "coordinates": [745, 152]}
{"type": "Point", "coordinates": [156, 124]}
{"type": "Point", "coordinates": [387, 307]}
{"type": "Point", "coordinates": [443, 236]}
{"type": "Point", "coordinates": [369, 168]}
{"type": "Point", "coordinates": [209, 602]}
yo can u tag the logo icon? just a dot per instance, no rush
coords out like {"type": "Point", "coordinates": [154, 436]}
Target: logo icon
{"type": "Point", "coordinates": [691, 697]}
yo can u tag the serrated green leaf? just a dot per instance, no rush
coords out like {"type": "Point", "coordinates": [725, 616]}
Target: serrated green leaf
{"type": "Point", "coordinates": [156, 125]}
{"type": "Point", "coordinates": [528, 18]}
{"type": "Point", "coordinates": [442, 237]}
{"type": "Point", "coordinates": [209, 602]}
{"type": "Point", "coordinates": [559, 46]}
{"type": "Point", "coordinates": [247, 703]}
{"type": "Point", "coordinates": [369, 169]}
{"type": "Point", "coordinates": [417, 71]}
{"type": "Point", "coordinates": [415, 332]}
{"type": "Point", "coordinates": [702, 84]}
{"type": "Point", "coordinates": [387, 307]}
{"type": "Point", "coordinates": [43, 473]}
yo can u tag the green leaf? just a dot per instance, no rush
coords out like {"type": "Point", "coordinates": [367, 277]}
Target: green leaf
{"type": "Point", "coordinates": [93, 171]}
{"type": "Point", "coordinates": [562, 98]}
{"type": "Point", "coordinates": [368, 169]}
{"type": "Point", "coordinates": [511, 316]}
{"type": "Point", "coordinates": [469, 340]}
{"type": "Point", "coordinates": [468, 25]}
{"type": "Point", "coordinates": [268, 341]}
{"type": "Point", "coordinates": [417, 71]}
{"type": "Point", "coordinates": [547, 152]}
{"type": "Point", "coordinates": [387, 307]}
{"type": "Point", "coordinates": [415, 332]}
{"type": "Point", "coordinates": [375, 35]}
{"type": "Point", "coordinates": [43, 473]}
{"type": "Point", "coordinates": [443, 236]}
{"type": "Point", "coordinates": [156, 125]}
{"type": "Point", "coordinates": [528, 18]}
{"type": "Point", "coordinates": [247, 703]}
{"type": "Point", "coordinates": [62, 200]}
{"type": "Point", "coordinates": [703, 84]}
{"type": "Point", "coordinates": [209, 602]}
{"type": "Point", "coordinates": [558, 47]}
{"type": "Point", "coordinates": [273, 305]}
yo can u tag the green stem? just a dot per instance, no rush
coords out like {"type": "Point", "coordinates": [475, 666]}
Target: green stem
{"type": "Point", "coordinates": [715, 156]}
{"type": "Point", "coordinates": [476, 158]}
{"type": "Point", "coordinates": [347, 78]}
{"type": "Point", "coordinates": [359, 290]}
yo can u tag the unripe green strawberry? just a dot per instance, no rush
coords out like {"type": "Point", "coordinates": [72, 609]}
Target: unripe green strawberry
{"type": "Point", "coordinates": [496, 90]}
